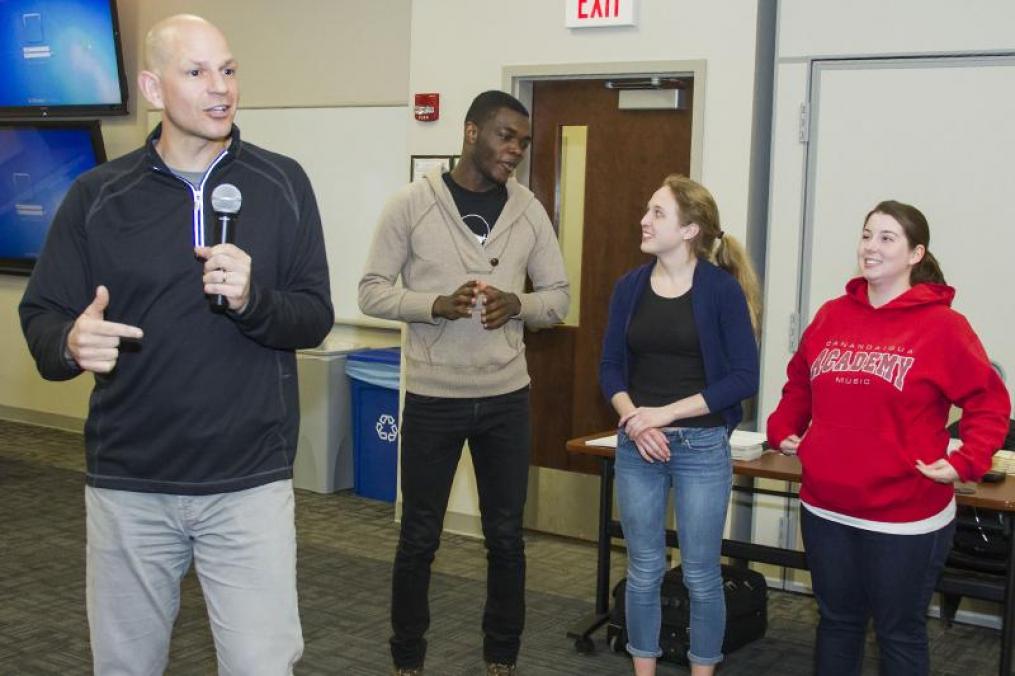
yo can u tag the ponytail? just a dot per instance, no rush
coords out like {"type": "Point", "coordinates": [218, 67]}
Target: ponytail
{"type": "Point", "coordinates": [927, 270]}
{"type": "Point", "coordinates": [731, 256]}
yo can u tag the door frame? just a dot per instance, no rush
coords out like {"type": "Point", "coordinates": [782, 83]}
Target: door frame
{"type": "Point", "coordinates": [518, 81]}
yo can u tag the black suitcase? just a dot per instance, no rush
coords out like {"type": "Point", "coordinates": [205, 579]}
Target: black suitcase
{"type": "Point", "coordinates": [746, 613]}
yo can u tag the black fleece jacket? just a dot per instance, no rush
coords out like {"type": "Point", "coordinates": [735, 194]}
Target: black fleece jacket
{"type": "Point", "coordinates": [205, 402]}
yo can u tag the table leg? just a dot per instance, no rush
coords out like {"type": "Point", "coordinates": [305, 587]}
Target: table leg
{"type": "Point", "coordinates": [603, 553]}
{"type": "Point", "coordinates": [582, 630]}
{"type": "Point", "coordinates": [1008, 609]}
{"type": "Point", "coordinates": [741, 513]}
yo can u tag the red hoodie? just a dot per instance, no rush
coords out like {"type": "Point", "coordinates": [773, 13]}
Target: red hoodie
{"type": "Point", "coordinates": [876, 386]}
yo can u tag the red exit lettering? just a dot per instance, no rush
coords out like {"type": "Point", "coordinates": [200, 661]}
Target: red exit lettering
{"type": "Point", "coordinates": [600, 9]}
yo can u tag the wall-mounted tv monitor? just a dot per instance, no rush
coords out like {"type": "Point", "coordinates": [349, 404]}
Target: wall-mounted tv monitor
{"type": "Point", "coordinates": [60, 58]}
{"type": "Point", "coordinates": [38, 163]}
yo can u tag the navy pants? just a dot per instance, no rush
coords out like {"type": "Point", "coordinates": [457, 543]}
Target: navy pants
{"type": "Point", "coordinates": [433, 432]}
{"type": "Point", "coordinates": [858, 575]}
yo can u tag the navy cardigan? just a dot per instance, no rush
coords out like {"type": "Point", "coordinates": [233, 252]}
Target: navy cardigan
{"type": "Point", "coordinates": [728, 348]}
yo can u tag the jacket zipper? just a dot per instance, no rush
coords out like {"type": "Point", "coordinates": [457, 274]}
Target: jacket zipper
{"type": "Point", "coordinates": [198, 195]}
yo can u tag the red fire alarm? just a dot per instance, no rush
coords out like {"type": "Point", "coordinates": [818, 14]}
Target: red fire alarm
{"type": "Point", "coordinates": [427, 107]}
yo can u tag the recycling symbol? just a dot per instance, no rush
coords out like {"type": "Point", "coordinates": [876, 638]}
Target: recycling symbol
{"type": "Point", "coordinates": [387, 429]}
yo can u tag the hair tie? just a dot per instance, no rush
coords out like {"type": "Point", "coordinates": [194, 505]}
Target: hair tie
{"type": "Point", "coordinates": [719, 236]}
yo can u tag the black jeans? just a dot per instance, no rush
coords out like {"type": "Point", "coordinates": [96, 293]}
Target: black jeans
{"type": "Point", "coordinates": [858, 574]}
{"type": "Point", "coordinates": [433, 431]}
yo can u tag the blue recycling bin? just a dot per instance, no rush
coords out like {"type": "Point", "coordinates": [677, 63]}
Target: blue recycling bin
{"type": "Point", "coordinates": [374, 380]}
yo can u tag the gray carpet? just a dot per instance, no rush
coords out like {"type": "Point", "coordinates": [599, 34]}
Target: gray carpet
{"type": "Point", "coordinates": [345, 548]}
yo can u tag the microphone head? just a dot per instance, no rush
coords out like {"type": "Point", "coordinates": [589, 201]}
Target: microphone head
{"type": "Point", "coordinates": [226, 199]}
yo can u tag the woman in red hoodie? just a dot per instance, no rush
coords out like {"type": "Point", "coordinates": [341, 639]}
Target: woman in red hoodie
{"type": "Point", "coordinates": [865, 407]}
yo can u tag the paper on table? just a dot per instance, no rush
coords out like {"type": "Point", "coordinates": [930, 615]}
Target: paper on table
{"type": "Point", "coordinates": [739, 438]}
{"type": "Point", "coordinates": [1004, 461]}
{"type": "Point", "coordinates": [743, 438]}
{"type": "Point", "coordinates": [604, 442]}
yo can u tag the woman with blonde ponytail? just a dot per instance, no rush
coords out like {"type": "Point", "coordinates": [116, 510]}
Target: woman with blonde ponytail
{"type": "Point", "coordinates": [714, 245]}
{"type": "Point", "coordinates": [679, 355]}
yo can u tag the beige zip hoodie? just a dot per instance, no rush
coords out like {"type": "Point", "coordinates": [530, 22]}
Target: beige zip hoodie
{"type": "Point", "coordinates": [421, 236]}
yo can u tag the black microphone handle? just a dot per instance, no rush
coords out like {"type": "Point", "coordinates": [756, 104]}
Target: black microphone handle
{"type": "Point", "coordinates": [225, 236]}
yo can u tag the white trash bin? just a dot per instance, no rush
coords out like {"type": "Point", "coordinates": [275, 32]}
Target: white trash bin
{"type": "Point", "coordinates": [324, 454]}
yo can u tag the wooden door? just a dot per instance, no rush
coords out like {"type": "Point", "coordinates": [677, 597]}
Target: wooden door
{"type": "Point", "coordinates": [629, 152]}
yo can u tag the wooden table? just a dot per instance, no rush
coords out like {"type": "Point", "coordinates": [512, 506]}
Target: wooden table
{"type": "Point", "coordinates": [998, 496]}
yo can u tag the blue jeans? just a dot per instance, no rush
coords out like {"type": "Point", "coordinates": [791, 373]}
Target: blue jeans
{"type": "Point", "coordinates": [701, 474]}
{"type": "Point", "coordinates": [243, 545]}
{"type": "Point", "coordinates": [858, 574]}
{"type": "Point", "coordinates": [433, 432]}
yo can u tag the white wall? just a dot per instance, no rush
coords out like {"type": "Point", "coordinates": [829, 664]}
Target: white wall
{"type": "Point", "coordinates": [809, 28]}
{"type": "Point", "coordinates": [460, 48]}
{"type": "Point", "coordinates": [818, 28]}
{"type": "Point", "coordinates": [812, 29]}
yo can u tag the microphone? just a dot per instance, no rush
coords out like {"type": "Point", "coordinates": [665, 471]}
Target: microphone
{"type": "Point", "coordinates": [226, 201]}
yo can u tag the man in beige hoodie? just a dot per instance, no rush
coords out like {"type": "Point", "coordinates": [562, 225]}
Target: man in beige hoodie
{"type": "Point", "coordinates": [463, 243]}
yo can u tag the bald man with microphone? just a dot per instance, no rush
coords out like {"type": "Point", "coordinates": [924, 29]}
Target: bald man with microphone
{"type": "Point", "coordinates": [190, 335]}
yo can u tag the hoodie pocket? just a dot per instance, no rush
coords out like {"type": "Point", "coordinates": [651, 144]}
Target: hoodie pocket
{"type": "Point", "coordinates": [514, 331]}
{"type": "Point", "coordinates": [859, 472]}
{"type": "Point", "coordinates": [464, 343]}
{"type": "Point", "coordinates": [422, 337]}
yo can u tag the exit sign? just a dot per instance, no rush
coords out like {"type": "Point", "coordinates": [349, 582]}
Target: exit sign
{"type": "Point", "coordinates": [596, 13]}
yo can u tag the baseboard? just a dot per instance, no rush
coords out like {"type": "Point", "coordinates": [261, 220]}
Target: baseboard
{"type": "Point", "coordinates": [978, 619]}
{"type": "Point", "coordinates": [28, 416]}
{"type": "Point", "coordinates": [797, 587]}
{"type": "Point", "coordinates": [987, 620]}
{"type": "Point", "coordinates": [469, 525]}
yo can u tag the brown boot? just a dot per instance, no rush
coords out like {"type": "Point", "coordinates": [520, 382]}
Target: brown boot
{"type": "Point", "coordinates": [494, 669]}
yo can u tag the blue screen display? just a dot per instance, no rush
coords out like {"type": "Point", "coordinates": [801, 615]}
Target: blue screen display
{"type": "Point", "coordinates": [58, 53]}
{"type": "Point", "coordinates": [37, 167]}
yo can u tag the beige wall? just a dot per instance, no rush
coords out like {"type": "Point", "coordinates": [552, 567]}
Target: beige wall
{"type": "Point", "coordinates": [23, 394]}
{"type": "Point", "coordinates": [309, 53]}
{"type": "Point", "coordinates": [299, 53]}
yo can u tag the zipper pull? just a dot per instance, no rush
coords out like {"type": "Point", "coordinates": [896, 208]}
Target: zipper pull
{"type": "Point", "coordinates": [198, 221]}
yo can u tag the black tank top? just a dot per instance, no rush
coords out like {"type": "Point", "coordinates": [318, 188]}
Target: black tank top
{"type": "Point", "coordinates": [666, 364]}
